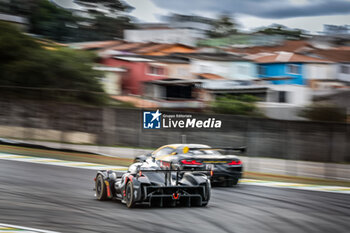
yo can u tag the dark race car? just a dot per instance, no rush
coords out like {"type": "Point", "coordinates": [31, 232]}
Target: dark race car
{"type": "Point", "coordinates": [148, 183]}
{"type": "Point", "coordinates": [227, 169]}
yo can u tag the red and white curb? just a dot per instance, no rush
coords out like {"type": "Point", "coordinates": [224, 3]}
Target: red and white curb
{"type": "Point", "coordinates": [309, 187]}
{"type": "Point", "coordinates": [58, 162]}
{"type": "Point", "coordinates": [13, 228]}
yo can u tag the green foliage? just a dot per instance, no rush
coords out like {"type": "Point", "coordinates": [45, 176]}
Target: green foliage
{"type": "Point", "coordinates": [278, 29]}
{"type": "Point", "coordinates": [113, 4]}
{"type": "Point", "coordinates": [236, 105]}
{"type": "Point", "coordinates": [109, 28]}
{"type": "Point", "coordinates": [30, 71]}
{"type": "Point", "coordinates": [323, 112]}
{"type": "Point", "coordinates": [48, 20]}
{"type": "Point", "coordinates": [223, 26]}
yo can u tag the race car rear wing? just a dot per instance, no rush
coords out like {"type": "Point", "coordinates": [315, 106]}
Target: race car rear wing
{"type": "Point", "coordinates": [241, 149]}
{"type": "Point", "coordinates": [208, 172]}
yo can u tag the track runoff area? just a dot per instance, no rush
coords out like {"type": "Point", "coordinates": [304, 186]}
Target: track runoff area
{"type": "Point", "coordinates": [95, 166]}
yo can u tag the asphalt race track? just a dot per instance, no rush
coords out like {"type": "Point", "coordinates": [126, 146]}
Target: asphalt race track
{"type": "Point", "coordinates": [61, 199]}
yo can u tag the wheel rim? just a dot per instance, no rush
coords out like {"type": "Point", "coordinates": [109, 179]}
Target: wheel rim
{"type": "Point", "coordinates": [98, 187]}
{"type": "Point", "coordinates": [128, 194]}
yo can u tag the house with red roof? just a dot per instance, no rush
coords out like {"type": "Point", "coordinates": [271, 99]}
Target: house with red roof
{"type": "Point", "coordinates": [142, 69]}
{"type": "Point", "coordinates": [341, 58]}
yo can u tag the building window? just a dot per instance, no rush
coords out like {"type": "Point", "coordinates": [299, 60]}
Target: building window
{"type": "Point", "coordinates": [293, 69]}
{"type": "Point", "coordinates": [282, 97]}
{"type": "Point", "coordinates": [344, 69]}
{"type": "Point", "coordinates": [154, 70]}
{"type": "Point", "coordinates": [262, 70]}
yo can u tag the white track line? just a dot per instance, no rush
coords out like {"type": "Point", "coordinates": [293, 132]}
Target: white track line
{"type": "Point", "coordinates": [14, 228]}
{"type": "Point", "coordinates": [95, 166]}
{"type": "Point", "coordinates": [58, 162]}
{"type": "Point", "coordinates": [309, 187]}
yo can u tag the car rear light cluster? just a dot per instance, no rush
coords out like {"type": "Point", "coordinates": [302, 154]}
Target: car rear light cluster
{"type": "Point", "coordinates": [190, 162]}
{"type": "Point", "coordinates": [235, 162]}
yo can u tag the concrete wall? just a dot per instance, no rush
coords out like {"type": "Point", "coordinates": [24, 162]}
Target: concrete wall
{"type": "Point", "coordinates": [179, 71]}
{"type": "Point", "coordinates": [221, 68]}
{"type": "Point", "coordinates": [112, 126]}
{"type": "Point", "coordinates": [243, 70]}
{"type": "Point", "coordinates": [319, 71]}
{"type": "Point", "coordinates": [169, 36]}
{"type": "Point", "coordinates": [112, 82]}
{"type": "Point", "coordinates": [340, 75]}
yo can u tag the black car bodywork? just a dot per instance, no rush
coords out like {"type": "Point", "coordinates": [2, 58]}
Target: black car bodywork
{"type": "Point", "coordinates": [227, 169]}
{"type": "Point", "coordinates": [148, 183]}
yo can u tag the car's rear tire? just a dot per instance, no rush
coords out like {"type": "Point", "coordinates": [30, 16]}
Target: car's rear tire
{"type": "Point", "coordinates": [129, 195]}
{"type": "Point", "coordinates": [101, 189]}
{"type": "Point", "coordinates": [232, 182]}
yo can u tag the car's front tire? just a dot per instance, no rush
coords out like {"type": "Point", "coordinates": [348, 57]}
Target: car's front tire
{"type": "Point", "coordinates": [129, 195]}
{"type": "Point", "coordinates": [207, 194]}
{"type": "Point", "coordinates": [101, 189]}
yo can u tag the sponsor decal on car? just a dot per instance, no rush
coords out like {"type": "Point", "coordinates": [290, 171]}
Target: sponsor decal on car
{"type": "Point", "coordinates": [215, 162]}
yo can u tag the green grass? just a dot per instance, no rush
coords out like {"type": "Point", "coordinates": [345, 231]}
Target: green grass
{"type": "Point", "coordinates": [294, 179]}
{"type": "Point", "coordinates": [69, 156]}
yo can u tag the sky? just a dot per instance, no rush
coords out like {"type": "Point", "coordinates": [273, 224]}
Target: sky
{"type": "Point", "coordinates": [309, 15]}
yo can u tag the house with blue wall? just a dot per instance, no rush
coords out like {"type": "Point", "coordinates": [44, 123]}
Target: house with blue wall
{"type": "Point", "coordinates": [288, 68]}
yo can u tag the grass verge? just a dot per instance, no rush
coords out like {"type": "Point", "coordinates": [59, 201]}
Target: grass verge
{"type": "Point", "coordinates": [294, 179]}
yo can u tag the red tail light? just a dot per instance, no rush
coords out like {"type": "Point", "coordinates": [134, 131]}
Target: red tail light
{"type": "Point", "coordinates": [190, 162]}
{"type": "Point", "coordinates": [234, 162]}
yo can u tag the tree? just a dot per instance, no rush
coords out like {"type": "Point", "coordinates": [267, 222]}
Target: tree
{"type": "Point", "coordinates": [323, 112]}
{"type": "Point", "coordinates": [51, 21]}
{"type": "Point", "coordinates": [278, 29]}
{"type": "Point", "coordinates": [223, 26]}
{"type": "Point", "coordinates": [113, 5]}
{"type": "Point", "coordinates": [236, 105]}
{"type": "Point", "coordinates": [103, 25]}
{"type": "Point", "coordinates": [32, 72]}
{"type": "Point", "coordinates": [48, 20]}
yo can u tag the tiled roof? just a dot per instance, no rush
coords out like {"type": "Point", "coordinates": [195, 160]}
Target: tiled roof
{"type": "Point", "coordinates": [210, 76]}
{"type": "Point", "coordinates": [127, 46]}
{"type": "Point", "coordinates": [343, 48]}
{"type": "Point", "coordinates": [334, 55]}
{"type": "Point", "coordinates": [143, 48]}
{"type": "Point", "coordinates": [283, 57]}
{"type": "Point", "coordinates": [153, 47]}
{"type": "Point", "coordinates": [160, 59]}
{"type": "Point", "coordinates": [288, 46]}
{"type": "Point", "coordinates": [123, 46]}
{"type": "Point", "coordinates": [97, 44]}
{"type": "Point", "coordinates": [213, 56]}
